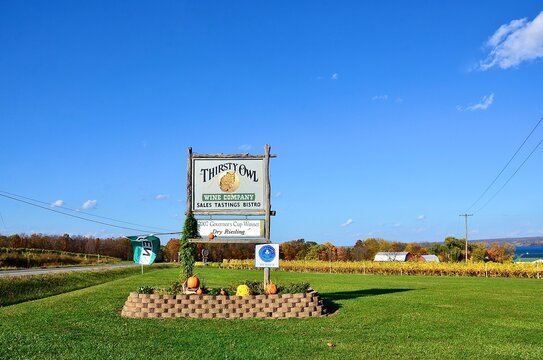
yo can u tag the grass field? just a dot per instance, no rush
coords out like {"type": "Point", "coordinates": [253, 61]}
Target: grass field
{"type": "Point", "coordinates": [22, 258]}
{"type": "Point", "coordinates": [17, 289]}
{"type": "Point", "coordinates": [375, 317]}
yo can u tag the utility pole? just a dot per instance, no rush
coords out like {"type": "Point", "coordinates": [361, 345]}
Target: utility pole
{"type": "Point", "coordinates": [466, 217]}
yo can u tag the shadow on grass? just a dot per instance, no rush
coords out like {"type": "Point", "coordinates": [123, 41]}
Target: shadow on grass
{"type": "Point", "coordinates": [329, 299]}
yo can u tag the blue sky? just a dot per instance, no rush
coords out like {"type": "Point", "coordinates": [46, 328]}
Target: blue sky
{"type": "Point", "coordinates": [389, 118]}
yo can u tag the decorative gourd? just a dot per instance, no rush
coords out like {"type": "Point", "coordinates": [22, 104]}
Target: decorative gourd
{"type": "Point", "coordinates": [199, 291]}
{"type": "Point", "coordinates": [193, 282]}
{"type": "Point", "coordinates": [243, 290]}
{"type": "Point", "coordinates": [223, 292]}
{"type": "Point", "coordinates": [211, 236]}
{"type": "Point", "coordinates": [271, 289]}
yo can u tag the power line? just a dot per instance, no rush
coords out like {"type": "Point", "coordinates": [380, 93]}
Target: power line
{"type": "Point", "coordinates": [506, 165]}
{"type": "Point", "coordinates": [74, 216]}
{"type": "Point", "coordinates": [88, 214]}
{"type": "Point", "coordinates": [516, 171]}
{"type": "Point", "coordinates": [1, 217]}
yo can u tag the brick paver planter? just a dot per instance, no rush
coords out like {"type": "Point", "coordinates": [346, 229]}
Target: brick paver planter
{"type": "Point", "coordinates": [225, 307]}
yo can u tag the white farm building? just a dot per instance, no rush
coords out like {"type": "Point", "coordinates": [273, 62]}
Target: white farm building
{"type": "Point", "coordinates": [429, 258]}
{"type": "Point", "coordinates": [401, 256]}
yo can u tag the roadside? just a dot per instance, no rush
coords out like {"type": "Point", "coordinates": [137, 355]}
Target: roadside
{"type": "Point", "coordinates": [17, 288]}
{"type": "Point", "coordinates": [28, 272]}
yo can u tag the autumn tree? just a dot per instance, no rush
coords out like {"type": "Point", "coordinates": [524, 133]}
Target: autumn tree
{"type": "Point", "coordinates": [416, 249]}
{"type": "Point", "coordinates": [344, 253]}
{"type": "Point", "coordinates": [478, 252]}
{"type": "Point", "coordinates": [317, 252]}
{"type": "Point", "coordinates": [367, 249]}
{"type": "Point", "coordinates": [172, 250]}
{"type": "Point", "coordinates": [501, 253]}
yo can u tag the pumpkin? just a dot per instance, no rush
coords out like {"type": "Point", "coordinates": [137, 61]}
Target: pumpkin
{"type": "Point", "coordinates": [243, 290]}
{"type": "Point", "coordinates": [193, 282]}
{"type": "Point", "coordinates": [199, 291]}
{"type": "Point", "coordinates": [271, 288]}
{"type": "Point", "coordinates": [223, 292]}
{"type": "Point", "coordinates": [211, 236]}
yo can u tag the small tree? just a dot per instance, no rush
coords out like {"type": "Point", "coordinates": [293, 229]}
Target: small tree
{"type": "Point", "coordinates": [188, 250]}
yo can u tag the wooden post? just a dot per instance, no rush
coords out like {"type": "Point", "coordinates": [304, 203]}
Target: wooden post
{"type": "Point", "coordinates": [267, 205]}
{"type": "Point", "coordinates": [466, 217]}
{"type": "Point", "coordinates": [189, 182]}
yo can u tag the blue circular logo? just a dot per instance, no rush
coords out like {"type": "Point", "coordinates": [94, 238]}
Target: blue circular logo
{"type": "Point", "coordinates": [267, 253]}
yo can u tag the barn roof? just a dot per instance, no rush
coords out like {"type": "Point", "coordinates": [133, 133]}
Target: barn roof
{"type": "Point", "coordinates": [430, 258]}
{"type": "Point", "coordinates": [391, 256]}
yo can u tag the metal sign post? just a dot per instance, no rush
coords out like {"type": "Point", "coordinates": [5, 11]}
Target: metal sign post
{"type": "Point", "coordinates": [267, 205]}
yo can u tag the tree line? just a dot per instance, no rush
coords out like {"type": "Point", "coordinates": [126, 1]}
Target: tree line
{"type": "Point", "coordinates": [451, 250]}
{"type": "Point", "coordinates": [114, 247]}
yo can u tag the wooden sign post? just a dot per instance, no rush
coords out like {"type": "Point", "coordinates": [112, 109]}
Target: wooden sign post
{"type": "Point", "coordinates": [237, 185]}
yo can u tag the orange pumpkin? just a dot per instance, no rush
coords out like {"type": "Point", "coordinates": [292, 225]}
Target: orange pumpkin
{"type": "Point", "coordinates": [193, 282]}
{"type": "Point", "coordinates": [271, 289]}
{"type": "Point", "coordinates": [211, 236]}
{"type": "Point", "coordinates": [199, 291]}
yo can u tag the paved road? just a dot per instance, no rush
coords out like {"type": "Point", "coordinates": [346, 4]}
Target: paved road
{"type": "Point", "coordinates": [25, 272]}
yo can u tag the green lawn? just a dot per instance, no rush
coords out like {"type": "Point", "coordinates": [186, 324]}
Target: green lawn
{"type": "Point", "coordinates": [376, 317]}
{"type": "Point", "coordinates": [18, 289]}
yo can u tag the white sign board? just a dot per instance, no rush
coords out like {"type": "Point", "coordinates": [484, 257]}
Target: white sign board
{"type": "Point", "coordinates": [231, 228]}
{"type": "Point", "coordinates": [228, 185]}
{"type": "Point", "coordinates": [267, 256]}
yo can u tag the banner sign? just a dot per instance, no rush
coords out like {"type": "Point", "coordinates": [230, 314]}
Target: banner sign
{"type": "Point", "coordinates": [145, 248]}
{"type": "Point", "coordinates": [231, 228]}
{"type": "Point", "coordinates": [267, 256]}
{"type": "Point", "coordinates": [227, 185]}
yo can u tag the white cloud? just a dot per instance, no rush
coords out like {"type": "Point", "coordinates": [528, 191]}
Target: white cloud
{"type": "Point", "coordinates": [244, 147]}
{"type": "Point", "coordinates": [347, 223]}
{"type": "Point", "coordinates": [89, 204]}
{"type": "Point", "coordinates": [421, 217]}
{"type": "Point", "coordinates": [483, 105]}
{"type": "Point", "coordinates": [161, 197]}
{"type": "Point", "coordinates": [520, 40]}
{"type": "Point", "coordinates": [278, 194]}
{"type": "Point", "coordinates": [57, 203]}
{"type": "Point", "coordinates": [334, 76]}
{"type": "Point", "coordinates": [380, 97]}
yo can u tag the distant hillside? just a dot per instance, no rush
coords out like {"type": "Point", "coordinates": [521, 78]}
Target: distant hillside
{"type": "Point", "coordinates": [523, 241]}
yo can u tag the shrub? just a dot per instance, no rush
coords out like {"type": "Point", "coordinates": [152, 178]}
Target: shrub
{"type": "Point", "coordinates": [175, 288]}
{"type": "Point", "coordinates": [146, 290]}
{"type": "Point", "coordinates": [214, 291]}
{"type": "Point", "coordinates": [293, 288]}
{"type": "Point", "coordinates": [188, 250]}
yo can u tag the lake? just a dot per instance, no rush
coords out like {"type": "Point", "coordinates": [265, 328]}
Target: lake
{"type": "Point", "coordinates": [529, 251]}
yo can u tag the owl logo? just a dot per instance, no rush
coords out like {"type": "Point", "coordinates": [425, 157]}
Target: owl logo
{"type": "Point", "coordinates": [229, 182]}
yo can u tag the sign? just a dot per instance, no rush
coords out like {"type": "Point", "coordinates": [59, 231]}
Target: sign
{"type": "Point", "coordinates": [231, 228]}
{"type": "Point", "coordinates": [267, 256]}
{"type": "Point", "coordinates": [227, 185]}
{"type": "Point", "coordinates": [145, 248]}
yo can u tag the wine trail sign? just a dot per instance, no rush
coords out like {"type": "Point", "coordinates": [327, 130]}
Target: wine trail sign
{"type": "Point", "coordinates": [236, 186]}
